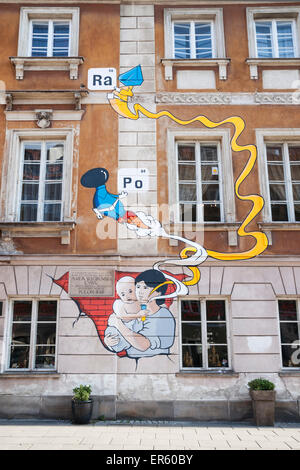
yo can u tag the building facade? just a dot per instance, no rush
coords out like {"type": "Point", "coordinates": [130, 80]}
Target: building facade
{"type": "Point", "coordinates": [150, 207]}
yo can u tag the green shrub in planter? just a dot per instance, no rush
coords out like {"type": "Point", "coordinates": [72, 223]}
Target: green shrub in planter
{"type": "Point", "coordinates": [82, 405]}
{"type": "Point", "coordinates": [263, 401]}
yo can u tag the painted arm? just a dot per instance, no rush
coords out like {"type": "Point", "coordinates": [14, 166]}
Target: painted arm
{"type": "Point", "coordinates": [136, 340]}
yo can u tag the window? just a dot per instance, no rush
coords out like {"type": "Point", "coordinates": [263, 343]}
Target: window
{"type": "Point", "coordinates": [41, 188]}
{"type": "Point", "coordinates": [283, 170]}
{"type": "Point", "coordinates": [275, 38]}
{"type": "Point", "coordinates": [289, 322]}
{"type": "Point", "coordinates": [199, 182]}
{"type": "Point", "coordinates": [193, 40]}
{"type": "Point", "coordinates": [32, 336]}
{"type": "Point", "coordinates": [50, 38]}
{"type": "Point", "coordinates": [204, 334]}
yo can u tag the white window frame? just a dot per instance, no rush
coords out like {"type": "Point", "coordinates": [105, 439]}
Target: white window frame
{"type": "Point", "coordinates": [28, 14]}
{"type": "Point", "coordinates": [33, 333]}
{"type": "Point", "coordinates": [200, 206]}
{"type": "Point", "coordinates": [221, 136]}
{"type": "Point", "coordinates": [297, 300]}
{"type": "Point", "coordinates": [274, 37]}
{"type": "Point", "coordinates": [192, 36]}
{"type": "Point", "coordinates": [13, 160]}
{"type": "Point", "coordinates": [284, 138]}
{"type": "Point", "coordinates": [43, 163]}
{"type": "Point", "coordinates": [205, 343]}
{"type": "Point", "coordinates": [50, 37]}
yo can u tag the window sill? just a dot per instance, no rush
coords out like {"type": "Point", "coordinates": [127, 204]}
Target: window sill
{"type": "Point", "coordinates": [274, 62]}
{"type": "Point", "coordinates": [179, 228]}
{"type": "Point", "coordinates": [29, 374]}
{"type": "Point", "coordinates": [184, 63]}
{"type": "Point", "coordinates": [46, 63]}
{"type": "Point", "coordinates": [206, 373]}
{"type": "Point", "coordinates": [37, 229]}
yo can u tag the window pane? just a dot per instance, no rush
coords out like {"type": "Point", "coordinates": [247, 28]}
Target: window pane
{"type": "Point", "coordinates": [21, 333]}
{"type": "Point", "coordinates": [279, 212]}
{"type": "Point", "coordinates": [209, 173]}
{"type": "Point", "coordinates": [55, 152]}
{"type": "Point", "coordinates": [290, 356]}
{"type": "Point", "coordinates": [285, 39]}
{"type": "Point", "coordinates": [289, 332]}
{"type": "Point", "coordinates": [212, 213]}
{"type": "Point", "coordinates": [182, 41]}
{"type": "Point", "coordinates": [46, 333]}
{"type": "Point", "coordinates": [191, 333]}
{"type": "Point", "coordinates": [296, 192]}
{"type": "Point", "coordinates": [53, 191]}
{"type": "Point", "coordinates": [264, 39]}
{"type": "Point", "coordinates": [52, 212]}
{"type": "Point", "coordinates": [275, 172]}
{"type": "Point", "coordinates": [287, 310]}
{"type": "Point", "coordinates": [215, 310]}
{"type": "Point", "coordinates": [209, 154]}
{"type": "Point", "coordinates": [22, 311]}
{"type": "Point", "coordinates": [30, 192]}
{"type": "Point", "coordinates": [188, 212]}
{"type": "Point", "coordinates": [217, 356]}
{"type": "Point", "coordinates": [294, 154]}
{"type": "Point", "coordinates": [295, 172]}
{"type": "Point", "coordinates": [19, 357]}
{"type": "Point", "coordinates": [54, 171]}
{"type": "Point", "coordinates": [216, 333]}
{"type": "Point", "coordinates": [210, 192]}
{"type": "Point", "coordinates": [186, 152]}
{"type": "Point", "coordinates": [28, 213]}
{"type": "Point", "coordinates": [186, 172]}
{"type": "Point", "coordinates": [45, 357]}
{"type": "Point", "coordinates": [32, 152]}
{"type": "Point", "coordinates": [31, 172]}
{"type": "Point", "coordinates": [47, 310]}
{"type": "Point", "coordinates": [190, 310]}
{"type": "Point", "coordinates": [188, 192]}
{"type": "Point", "coordinates": [277, 192]}
{"type": "Point", "coordinates": [39, 39]}
{"type": "Point", "coordinates": [192, 356]}
{"type": "Point", "coordinates": [61, 39]}
{"type": "Point", "coordinates": [297, 212]}
{"type": "Point", "coordinates": [274, 153]}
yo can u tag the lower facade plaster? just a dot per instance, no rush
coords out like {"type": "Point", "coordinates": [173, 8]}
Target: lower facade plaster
{"type": "Point", "coordinates": [154, 387]}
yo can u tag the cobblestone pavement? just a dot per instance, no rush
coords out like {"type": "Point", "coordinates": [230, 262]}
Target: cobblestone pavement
{"type": "Point", "coordinates": [148, 435]}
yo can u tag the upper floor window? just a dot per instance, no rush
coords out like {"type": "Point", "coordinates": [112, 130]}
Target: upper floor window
{"type": "Point", "coordinates": [204, 334]}
{"type": "Point", "coordinates": [41, 184]}
{"type": "Point", "coordinates": [193, 40]}
{"type": "Point", "coordinates": [283, 170]}
{"type": "Point", "coordinates": [32, 334]}
{"type": "Point", "coordinates": [199, 182]}
{"type": "Point", "coordinates": [275, 38]}
{"type": "Point", "coordinates": [289, 322]}
{"type": "Point", "coordinates": [49, 38]}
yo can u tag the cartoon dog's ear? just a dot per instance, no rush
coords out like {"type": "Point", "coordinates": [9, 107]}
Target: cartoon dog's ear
{"type": "Point", "coordinates": [94, 178]}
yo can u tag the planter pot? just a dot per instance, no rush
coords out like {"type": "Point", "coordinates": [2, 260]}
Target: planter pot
{"type": "Point", "coordinates": [263, 403]}
{"type": "Point", "coordinates": [82, 411]}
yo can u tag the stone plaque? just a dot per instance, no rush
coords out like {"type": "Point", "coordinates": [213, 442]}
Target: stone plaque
{"type": "Point", "coordinates": [91, 283]}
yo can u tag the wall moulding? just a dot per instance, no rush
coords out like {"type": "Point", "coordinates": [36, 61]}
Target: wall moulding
{"type": "Point", "coordinates": [244, 99]}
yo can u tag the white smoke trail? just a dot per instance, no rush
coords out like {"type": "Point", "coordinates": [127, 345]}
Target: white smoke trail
{"type": "Point", "coordinates": [156, 230]}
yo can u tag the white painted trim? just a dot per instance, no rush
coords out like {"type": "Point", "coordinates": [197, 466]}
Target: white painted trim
{"type": "Point", "coordinates": [67, 115]}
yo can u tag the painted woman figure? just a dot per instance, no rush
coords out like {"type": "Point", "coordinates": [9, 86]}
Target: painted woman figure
{"type": "Point", "coordinates": [158, 330]}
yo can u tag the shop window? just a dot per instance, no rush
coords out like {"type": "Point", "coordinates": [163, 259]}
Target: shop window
{"type": "Point", "coordinates": [289, 322]}
{"type": "Point", "coordinates": [32, 335]}
{"type": "Point", "coordinates": [204, 334]}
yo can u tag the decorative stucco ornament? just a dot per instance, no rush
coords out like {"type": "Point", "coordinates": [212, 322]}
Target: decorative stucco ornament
{"type": "Point", "coordinates": [43, 119]}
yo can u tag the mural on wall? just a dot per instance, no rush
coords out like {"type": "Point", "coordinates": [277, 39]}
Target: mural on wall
{"type": "Point", "coordinates": [137, 322]}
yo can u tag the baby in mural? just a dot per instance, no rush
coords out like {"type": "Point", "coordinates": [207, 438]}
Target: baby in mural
{"type": "Point", "coordinates": [128, 308]}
